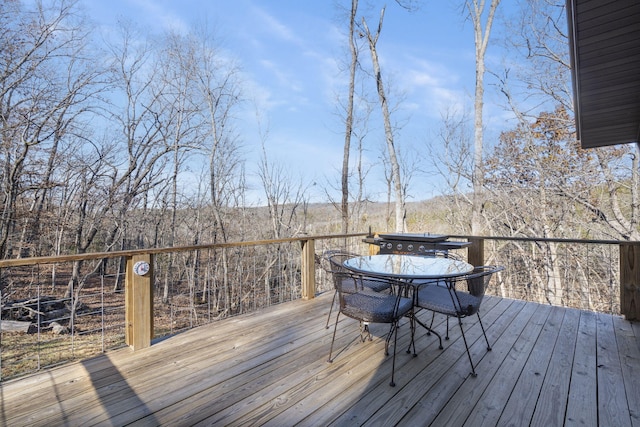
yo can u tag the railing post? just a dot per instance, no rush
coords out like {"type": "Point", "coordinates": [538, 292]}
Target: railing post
{"type": "Point", "coordinates": [475, 254]}
{"type": "Point", "coordinates": [308, 269]}
{"type": "Point", "coordinates": [630, 281]}
{"type": "Point", "coordinates": [139, 301]}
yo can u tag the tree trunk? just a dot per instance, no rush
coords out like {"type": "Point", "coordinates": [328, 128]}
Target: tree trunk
{"type": "Point", "coordinates": [476, 8]}
{"type": "Point", "coordinates": [388, 128]}
{"type": "Point", "coordinates": [349, 119]}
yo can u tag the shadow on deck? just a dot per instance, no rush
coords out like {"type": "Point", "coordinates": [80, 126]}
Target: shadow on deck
{"type": "Point", "coordinates": [549, 366]}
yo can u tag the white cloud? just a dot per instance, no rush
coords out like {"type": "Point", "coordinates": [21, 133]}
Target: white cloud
{"type": "Point", "coordinates": [274, 27]}
{"type": "Point", "coordinates": [154, 12]}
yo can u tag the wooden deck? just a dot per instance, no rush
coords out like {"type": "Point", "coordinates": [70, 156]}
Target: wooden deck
{"type": "Point", "coordinates": [549, 367]}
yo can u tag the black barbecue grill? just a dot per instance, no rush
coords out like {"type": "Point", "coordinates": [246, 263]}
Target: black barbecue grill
{"type": "Point", "coordinates": [413, 243]}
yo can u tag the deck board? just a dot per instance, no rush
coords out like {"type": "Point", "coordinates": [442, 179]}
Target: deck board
{"type": "Point", "coordinates": [521, 404]}
{"type": "Point", "coordinates": [449, 378]}
{"type": "Point", "coordinates": [464, 401]}
{"type": "Point", "coordinates": [583, 392]}
{"type": "Point", "coordinates": [488, 409]}
{"type": "Point", "coordinates": [548, 366]}
{"type": "Point", "coordinates": [627, 343]}
{"type": "Point", "coordinates": [552, 402]}
{"type": "Point", "coordinates": [612, 401]}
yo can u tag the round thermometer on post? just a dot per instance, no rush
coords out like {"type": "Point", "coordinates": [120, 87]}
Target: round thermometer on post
{"type": "Point", "coordinates": [141, 268]}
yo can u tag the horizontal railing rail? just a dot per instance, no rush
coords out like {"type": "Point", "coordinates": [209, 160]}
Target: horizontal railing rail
{"type": "Point", "coordinates": [153, 251]}
{"type": "Point", "coordinates": [546, 239]}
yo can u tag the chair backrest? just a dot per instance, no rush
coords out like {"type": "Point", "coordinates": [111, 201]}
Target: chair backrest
{"type": "Point", "coordinates": [325, 262]}
{"type": "Point", "coordinates": [479, 278]}
{"type": "Point", "coordinates": [467, 301]}
{"type": "Point", "coordinates": [343, 281]}
{"type": "Point", "coordinates": [334, 259]}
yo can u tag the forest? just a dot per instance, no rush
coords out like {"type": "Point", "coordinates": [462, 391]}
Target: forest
{"type": "Point", "coordinates": [98, 137]}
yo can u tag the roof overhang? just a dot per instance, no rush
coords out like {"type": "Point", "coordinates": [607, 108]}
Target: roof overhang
{"type": "Point", "coordinates": [604, 39]}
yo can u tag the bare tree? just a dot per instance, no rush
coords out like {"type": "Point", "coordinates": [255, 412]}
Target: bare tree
{"type": "Point", "coordinates": [353, 51]}
{"type": "Point", "coordinates": [536, 39]}
{"type": "Point", "coordinates": [181, 127]}
{"type": "Point", "coordinates": [453, 161]}
{"type": "Point", "coordinates": [219, 86]}
{"type": "Point", "coordinates": [283, 196]}
{"type": "Point", "coordinates": [524, 173]}
{"type": "Point", "coordinates": [362, 169]}
{"type": "Point", "coordinates": [46, 85]}
{"type": "Point", "coordinates": [220, 93]}
{"type": "Point", "coordinates": [354, 110]}
{"type": "Point", "coordinates": [476, 10]}
{"type": "Point", "coordinates": [400, 209]}
{"type": "Point", "coordinates": [133, 161]}
{"type": "Point", "coordinates": [286, 200]}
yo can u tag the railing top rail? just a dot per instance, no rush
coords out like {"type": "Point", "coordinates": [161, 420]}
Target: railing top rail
{"type": "Point", "coordinates": [549, 239]}
{"type": "Point", "coordinates": [131, 252]}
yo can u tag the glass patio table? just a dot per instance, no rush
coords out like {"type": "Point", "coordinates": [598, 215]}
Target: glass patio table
{"type": "Point", "coordinates": [410, 272]}
{"type": "Point", "coordinates": [408, 268]}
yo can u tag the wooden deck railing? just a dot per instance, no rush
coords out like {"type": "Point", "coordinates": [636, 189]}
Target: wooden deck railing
{"type": "Point", "coordinates": [139, 301]}
{"type": "Point", "coordinates": [629, 264]}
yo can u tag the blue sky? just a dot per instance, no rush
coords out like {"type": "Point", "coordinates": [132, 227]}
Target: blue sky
{"type": "Point", "coordinates": [290, 51]}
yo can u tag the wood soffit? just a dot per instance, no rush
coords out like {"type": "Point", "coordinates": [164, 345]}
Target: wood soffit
{"type": "Point", "coordinates": [604, 39]}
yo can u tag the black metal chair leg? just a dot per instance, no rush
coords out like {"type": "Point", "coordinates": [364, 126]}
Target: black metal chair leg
{"type": "Point", "coordinates": [333, 301]}
{"type": "Point", "coordinates": [484, 333]}
{"type": "Point", "coordinates": [464, 338]}
{"type": "Point", "coordinates": [412, 325]}
{"type": "Point", "coordinates": [433, 316]}
{"type": "Point", "coordinates": [387, 340]}
{"type": "Point", "coordinates": [393, 363]}
{"type": "Point", "coordinates": [447, 336]}
{"type": "Point", "coordinates": [365, 332]}
{"type": "Point", "coordinates": [335, 328]}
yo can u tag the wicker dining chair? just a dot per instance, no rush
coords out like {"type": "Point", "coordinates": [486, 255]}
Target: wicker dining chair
{"type": "Point", "coordinates": [359, 302]}
{"type": "Point", "coordinates": [339, 256]}
{"type": "Point", "coordinates": [451, 300]}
